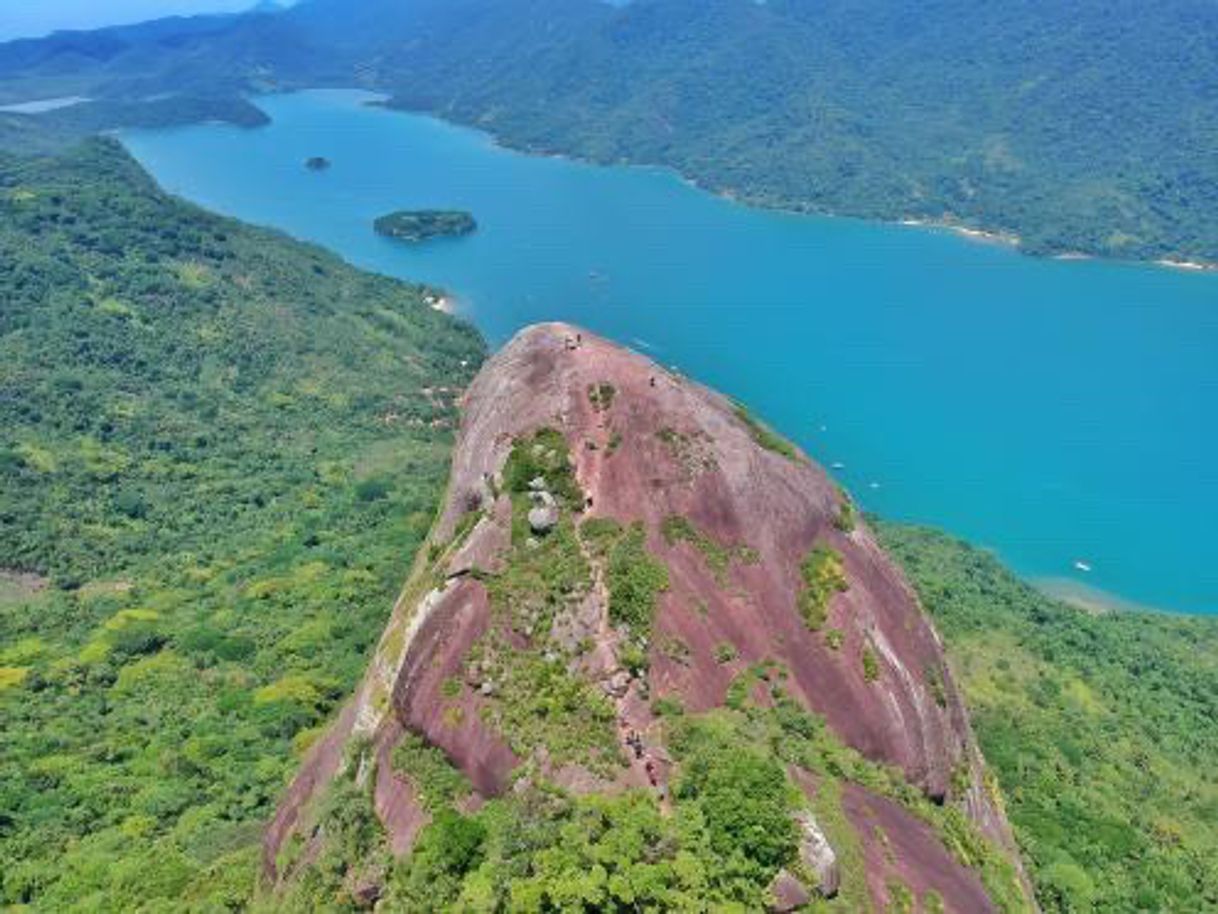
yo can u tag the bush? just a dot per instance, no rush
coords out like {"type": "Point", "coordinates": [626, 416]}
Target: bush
{"type": "Point", "coordinates": [823, 576]}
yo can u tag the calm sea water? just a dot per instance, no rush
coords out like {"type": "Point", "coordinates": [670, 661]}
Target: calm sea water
{"type": "Point", "coordinates": [1054, 411]}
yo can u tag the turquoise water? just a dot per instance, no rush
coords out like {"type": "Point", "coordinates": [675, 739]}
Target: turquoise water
{"type": "Point", "coordinates": [1054, 411]}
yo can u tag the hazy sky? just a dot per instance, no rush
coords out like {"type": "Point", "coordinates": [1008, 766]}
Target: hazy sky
{"type": "Point", "coordinates": [19, 18]}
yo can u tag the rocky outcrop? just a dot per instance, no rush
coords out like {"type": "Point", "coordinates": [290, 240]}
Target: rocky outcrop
{"type": "Point", "coordinates": [734, 515]}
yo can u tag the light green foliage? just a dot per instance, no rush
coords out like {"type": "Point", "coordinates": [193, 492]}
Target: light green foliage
{"type": "Point", "coordinates": [741, 794]}
{"type": "Point", "coordinates": [634, 577]}
{"type": "Point", "coordinates": [541, 850]}
{"type": "Point", "coordinates": [846, 517]}
{"type": "Point", "coordinates": [635, 581]}
{"type": "Point", "coordinates": [1100, 730]}
{"type": "Point", "coordinates": [765, 436]}
{"type": "Point", "coordinates": [539, 580]}
{"type": "Point", "coordinates": [834, 638]}
{"type": "Point", "coordinates": [551, 572]}
{"type": "Point", "coordinates": [678, 529]}
{"type": "Point", "coordinates": [871, 665]}
{"type": "Point", "coordinates": [436, 782]}
{"type": "Point", "coordinates": [186, 471]}
{"type": "Point", "coordinates": [725, 652]}
{"type": "Point", "coordinates": [900, 898]}
{"type": "Point", "coordinates": [538, 703]}
{"type": "Point", "coordinates": [545, 455]}
{"type": "Point", "coordinates": [445, 853]}
{"type": "Point", "coordinates": [823, 576]}
{"type": "Point", "coordinates": [535, 701]}
{"type": "Point", "coordinates": [351, 844]}
{"type": "Point", "coordinates": [668, 706]}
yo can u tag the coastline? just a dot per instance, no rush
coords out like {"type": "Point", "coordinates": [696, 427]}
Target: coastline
{"type": "Point", "coordinates": [1188, 266]}
{"type": "Point", "coordinates": [1094, 600]}
{"type": "Point", "coordinates": [998, 237]}
{"type": "Point", "coordinates": [446, 302]}
{"type": "Point", "coordinates": [440, 301]}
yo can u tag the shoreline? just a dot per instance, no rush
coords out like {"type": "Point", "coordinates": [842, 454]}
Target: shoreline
{"type": "Point", "coordinates": [1095, 600]}
{"type": "Point", "coordinates": [1187, 266]}
{"type": "Point", "coordinates": [440, 301]}
{"type": "Point", "coordinates": [384, 101]}
{"type": "Point", "coordinates": [447, 303]}
{"type": "Point", "coordinates": [970, 233]}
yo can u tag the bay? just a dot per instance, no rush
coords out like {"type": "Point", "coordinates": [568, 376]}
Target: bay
{"type": "Point", "coordinates": [1058, 412]}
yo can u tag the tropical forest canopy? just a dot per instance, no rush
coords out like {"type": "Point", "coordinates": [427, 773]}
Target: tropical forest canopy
{"type": "Point", "coordinates": [219, 451]}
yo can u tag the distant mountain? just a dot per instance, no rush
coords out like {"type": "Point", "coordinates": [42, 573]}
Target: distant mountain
{"type": "Point", "coordinates": [1079, 127]}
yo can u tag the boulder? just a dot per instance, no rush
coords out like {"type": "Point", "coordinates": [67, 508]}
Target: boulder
{"type": "Point", "coordinates": [817, 855]}
{"type": "Point", "coordinates": [543, 519]}
{"type": "Point", "coordinates": [789, 894]}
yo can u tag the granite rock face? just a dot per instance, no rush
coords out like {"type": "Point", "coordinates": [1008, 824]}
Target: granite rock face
{"type": "Point", "coordinates": [663, 447]}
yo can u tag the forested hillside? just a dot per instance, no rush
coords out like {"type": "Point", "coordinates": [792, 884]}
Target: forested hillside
{"type": "Point", "coordinates": [1101, 730]}
{"type": "Point", "coordinates": [219, 451]}
{"type": "Point", "coordinates": [1078, 127]}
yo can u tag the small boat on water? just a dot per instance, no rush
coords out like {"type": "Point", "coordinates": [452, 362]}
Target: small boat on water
{"type": "Point", "coordinates": [1081, 565]}
{"type": "Point", "coordinates": [837, 465]}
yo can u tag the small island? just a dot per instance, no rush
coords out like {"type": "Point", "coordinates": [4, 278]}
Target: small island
{"type": "Point", "coordinates": [419, 225]}
{"type": "Point", "coordinates": [317, 163]}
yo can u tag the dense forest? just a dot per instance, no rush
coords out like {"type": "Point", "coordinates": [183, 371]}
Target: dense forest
{"type": "Point", "coordinates": [1101, 730]}
{"type": "Point", "coordinates": [219, 451]}
{"type": "Point", "coordinates": [1077, 127]}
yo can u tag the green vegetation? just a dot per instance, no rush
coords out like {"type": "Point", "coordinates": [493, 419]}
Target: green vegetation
{"type": "Point", "coordinates": [354, 847]}
{"type": "Point", "coordinates": [635, 580]}
{"type": "Point", "coordinates": [420, 225]}
{"type": "Point", "coordinates": [601, 396]}
{"type": "Point", "coordinates": [1092, 139]}
{"type": "Point", "coordinates": [900, 898]}
{"type": "Point", "coordinates": [534, 700]}
{"type": "Point", "coordinates": [214, 443]}
{"type": "Point", "coordinates": [725, 652]}
{"type": "Point", "coordinates": [765, 436]}
{"type": "Point", "coordinates": [538, 703]}
{"type": "Point", "coordinates": [677, 529]}
{"type": "Point", "coordinates": [542, 578]}
{"type": "Point", "coordinates": [846, 517]}
{"type": "Point", "coordinates": [690, 451]}
{"type": "Point", "coordinates": [435, 780]}
{"type": "Point", "coordinates": [871, 664]}
{"type": "Point", "coordinates": [542, 850]}
{"type": "Point", "coordinates": [543, 455]}
{"type": "Point", "coordinates": [823, 577]}
{"type": "Point", "coordinates": [1100, 730]}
